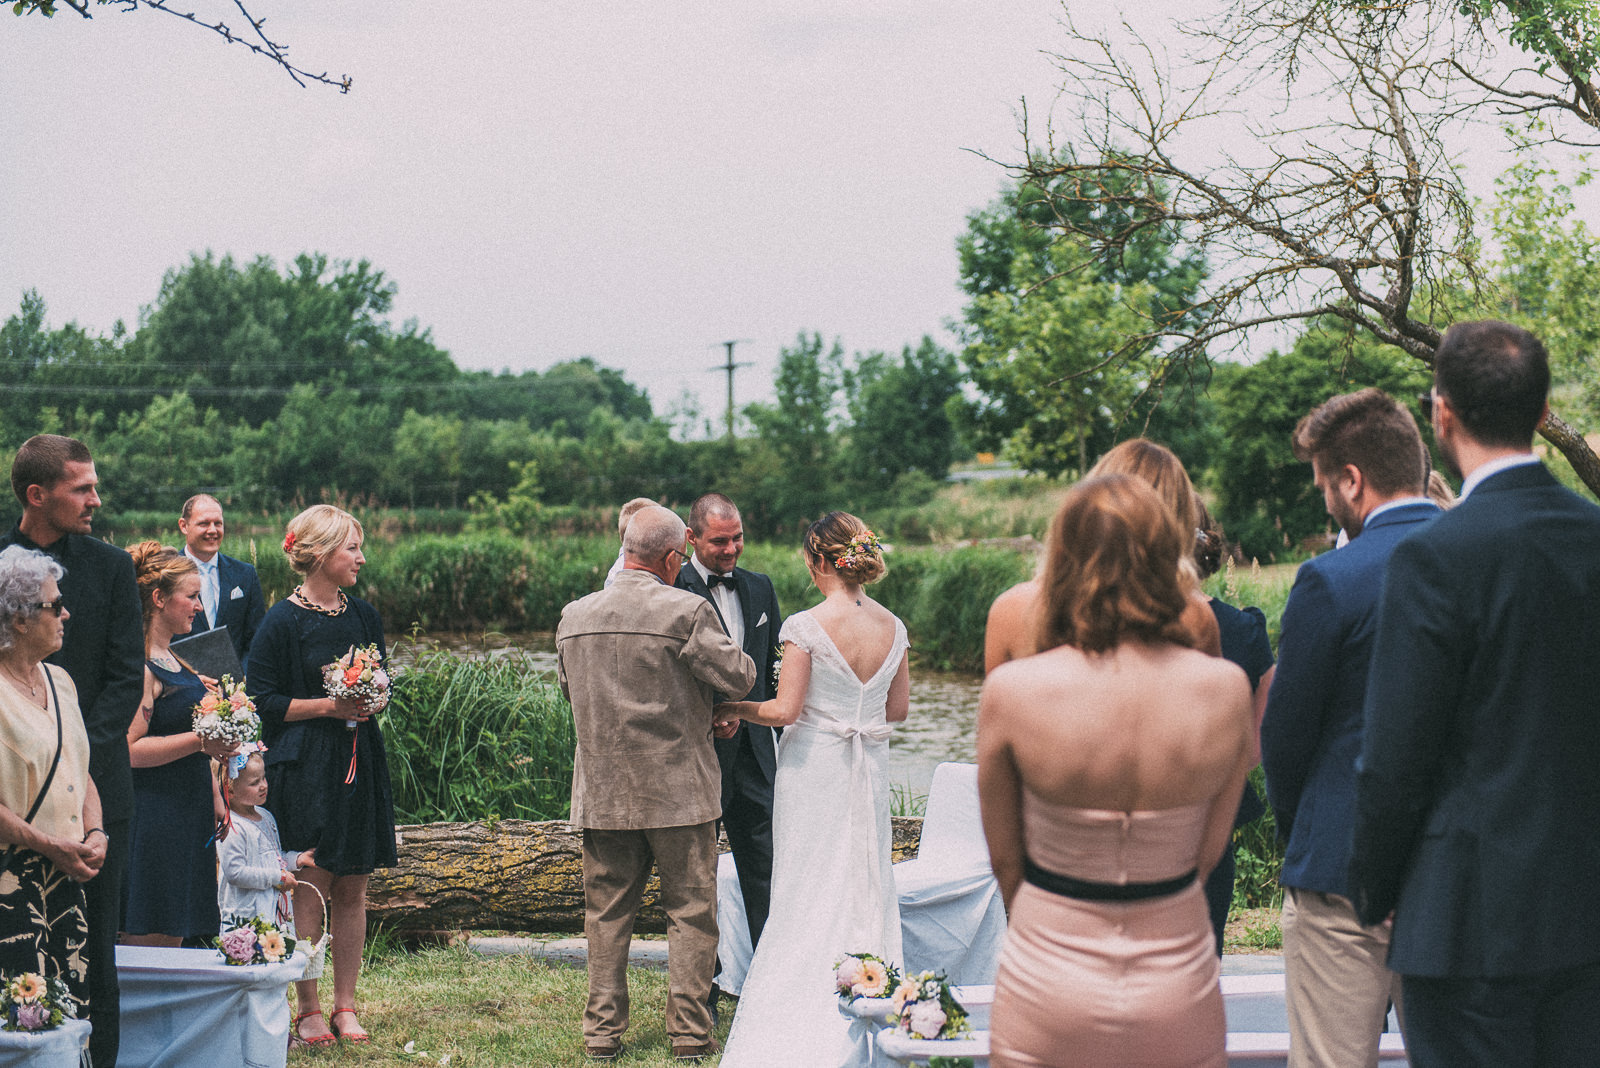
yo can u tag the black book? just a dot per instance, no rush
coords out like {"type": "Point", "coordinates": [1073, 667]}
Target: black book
{"type": "Point", "coordinates": [210, 653]}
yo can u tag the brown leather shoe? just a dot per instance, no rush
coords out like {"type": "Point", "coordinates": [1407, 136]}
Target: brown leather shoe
{"type": "Point", "coordinates": [695, 1052]}
{"type": "Point", "coordinates": [602, 1051]}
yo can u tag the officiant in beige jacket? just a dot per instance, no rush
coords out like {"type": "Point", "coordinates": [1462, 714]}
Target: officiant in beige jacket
{"type": "Point", "coordinates": [642, 664]}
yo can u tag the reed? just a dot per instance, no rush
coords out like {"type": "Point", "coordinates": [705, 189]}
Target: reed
{"type": "Point", "coordinates": [478, 739]}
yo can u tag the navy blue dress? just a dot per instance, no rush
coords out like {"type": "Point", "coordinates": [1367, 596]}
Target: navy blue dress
{"type": "Point", "coordinates": [172, 863]}
{"type": "Point", "coordinates": [1245, 643]}
{"type": "Point", "coordinates": [350, 825]}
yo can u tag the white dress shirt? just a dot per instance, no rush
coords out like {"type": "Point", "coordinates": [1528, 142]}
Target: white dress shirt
{"type": "Point", "coordinates": [726, 598]}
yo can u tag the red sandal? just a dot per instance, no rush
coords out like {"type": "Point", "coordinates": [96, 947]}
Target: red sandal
{"type": "Point", "coordinates": [358, 1037]}
{"type": "Point", "coordinates": [319, 1041]}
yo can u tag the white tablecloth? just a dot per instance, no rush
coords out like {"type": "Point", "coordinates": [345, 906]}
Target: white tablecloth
{"type": "Point", "coordinates": [59, 1048]}
{"type": "Point", "coordinates": [184, 1008]}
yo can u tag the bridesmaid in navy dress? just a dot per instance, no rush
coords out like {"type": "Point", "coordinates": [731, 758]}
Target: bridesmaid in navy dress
{"type": "Point", "coordinates": [327, 770]}
{"type": "Point", "coordinates": [172, 864]}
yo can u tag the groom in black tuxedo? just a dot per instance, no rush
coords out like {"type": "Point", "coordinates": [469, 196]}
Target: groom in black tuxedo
{"type": "Point", "coordinates": [748, 608]}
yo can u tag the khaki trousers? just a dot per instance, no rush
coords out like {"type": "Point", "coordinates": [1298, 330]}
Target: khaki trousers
{"type": "Point", "coordinates": [1336, 986]}
{"type": "Point", "coordinates": [616, 865]}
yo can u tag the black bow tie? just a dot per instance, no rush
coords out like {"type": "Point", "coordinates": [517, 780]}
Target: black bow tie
{"type": "Point", "coordinates": [713, 580]}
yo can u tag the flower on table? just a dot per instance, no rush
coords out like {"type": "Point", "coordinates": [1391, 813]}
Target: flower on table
{"type": "Point", "coordinates": [863, 975]}
{"type": "Point", "coordinates": [272, 946]}
{"type": "Point", "coordinates": [27, 987]}
{"type": "Point", "coordinates": [240, 945]}
{"type": "Point", "coordinates": [252, 940]}
{"type": "Point", "coordinates": [32, 1002]}
{"type": "Point", "coordinates": [927, 1009]}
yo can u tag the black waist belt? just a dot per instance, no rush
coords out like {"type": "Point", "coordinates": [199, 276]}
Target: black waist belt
{"type": "Point", "coordinates": [1067, 886]}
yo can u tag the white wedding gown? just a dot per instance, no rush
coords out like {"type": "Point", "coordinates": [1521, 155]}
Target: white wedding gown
{"type": "Point", "coordinates": [832, 888]}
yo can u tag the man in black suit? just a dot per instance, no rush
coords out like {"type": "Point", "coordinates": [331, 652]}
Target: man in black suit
{"type": "Point", "coordinates": [1478, 784]}
{"type": "Point", "coordinates": [1368, 460]}
{"type": "Point", "coordinates": [748, 607]}
{"type": "Point", "coordinates": [103, 651]}
{"type": "Point", "coordinates": [230, 591]}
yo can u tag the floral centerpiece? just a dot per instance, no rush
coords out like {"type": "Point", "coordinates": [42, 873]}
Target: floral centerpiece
{"type": "Point", "coordinates": [358, 675]}
{"type": "Point", "coordinates": [226, 713]}
{"type": "Point", "coordinates": [925, 1008]}
{"type": "Point", "coordinates": [30, 1002]}
{"type": "Point", "coordinates": [863, 975]}
{"type": "Point", "coordinates": [252, 940]}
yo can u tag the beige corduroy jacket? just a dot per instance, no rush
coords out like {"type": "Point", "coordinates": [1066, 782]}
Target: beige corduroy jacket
{"type": "Point", "coordinates": [642, 664]}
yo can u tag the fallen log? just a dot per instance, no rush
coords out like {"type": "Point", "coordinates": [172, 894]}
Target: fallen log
{"type": "Point", "coordinates": [513, 875]}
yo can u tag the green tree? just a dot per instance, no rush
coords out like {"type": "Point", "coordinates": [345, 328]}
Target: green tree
{"type": "Point", "coordinates": [1057, 388]}
{"type": "Point", "coordinates": [899, 418]}
{"type": "Point", "coordinates": [1267, 502]}
{"type": "Point", "coordinates": [797, 473]}
{"type": "Point", "coordinates": [1048, 358]}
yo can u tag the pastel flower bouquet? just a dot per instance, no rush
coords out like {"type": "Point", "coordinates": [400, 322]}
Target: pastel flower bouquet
{"type": "Point", "coordinates": [252, 940]}
{"type": "Point", "coordinates": [30, 1002]}
{"type": "Point", "coordinates": [226, 713]}
{"type": "Point", "coordinates": [863, 975]}
{"type": "Point", "coordinates": [358, 675]}
{"type": "Point", "coordinates": [925, 1008]}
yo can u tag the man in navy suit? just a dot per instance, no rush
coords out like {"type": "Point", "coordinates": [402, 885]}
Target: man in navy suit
{"type": "Point", "coordinates": [748, 607]}
{"type": "Point", "coordinates": [1478, 785]}
{"type": "Point", "coordinates": [230, 591]}
{"type": "Point", "coordinates": [1368, 460]}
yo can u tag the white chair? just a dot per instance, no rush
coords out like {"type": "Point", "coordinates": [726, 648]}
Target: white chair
{"type": "Point", "coordinates": [951, 916]}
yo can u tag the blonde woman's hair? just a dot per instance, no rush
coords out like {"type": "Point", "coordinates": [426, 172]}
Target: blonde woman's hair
{"type": "Point", "coordinates": [847, 545]}
{"type": "Point", "coordinates": [1111, 568]}
{"type": "Point", "coordinates": [157, 567]}
{"type": "Point", "coordinates": [1158, 467]}
{"type": "Point", "coordinates": [315, 533]}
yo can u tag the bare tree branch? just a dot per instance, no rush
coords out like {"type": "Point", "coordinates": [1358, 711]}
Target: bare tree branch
{"type": "Point", "coordinates": [271, 50]}
{"type": "Point", "coordinates": [1355, 212]}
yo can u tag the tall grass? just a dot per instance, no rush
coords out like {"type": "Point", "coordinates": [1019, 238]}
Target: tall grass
{"type": "Point", "coordinates": [478, 740]}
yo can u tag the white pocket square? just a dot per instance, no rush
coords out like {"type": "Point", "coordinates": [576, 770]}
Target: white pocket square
{"type": "Point", "coordinates": [762, 621]}
{"type": "Point", "coordinates": [236, 594]}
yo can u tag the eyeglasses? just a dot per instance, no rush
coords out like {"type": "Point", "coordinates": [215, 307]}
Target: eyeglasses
{"type": "Point", "coordinates": [56, 606]}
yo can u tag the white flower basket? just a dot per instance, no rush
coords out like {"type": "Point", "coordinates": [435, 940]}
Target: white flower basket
{"type": "Point", "coordinates": [316, 955]}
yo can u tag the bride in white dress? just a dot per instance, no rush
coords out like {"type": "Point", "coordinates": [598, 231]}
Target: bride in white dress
{"type": "Point", "coordinates": [844, 679]}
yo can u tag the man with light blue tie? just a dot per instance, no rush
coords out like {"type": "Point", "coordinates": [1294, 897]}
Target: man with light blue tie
{"type": "Point", "coordinates": [230, 591]}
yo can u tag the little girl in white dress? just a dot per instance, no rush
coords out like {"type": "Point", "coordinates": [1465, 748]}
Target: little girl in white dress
{"type": "Point", "coordinates": [255, 873]}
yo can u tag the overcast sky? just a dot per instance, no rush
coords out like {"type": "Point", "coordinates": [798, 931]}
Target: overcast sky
{"type": "Point", "coordinates": [633, 182]}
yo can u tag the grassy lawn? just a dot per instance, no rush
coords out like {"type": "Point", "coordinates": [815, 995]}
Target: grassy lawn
{"type": "Point", "coordinates": [516, 1012]}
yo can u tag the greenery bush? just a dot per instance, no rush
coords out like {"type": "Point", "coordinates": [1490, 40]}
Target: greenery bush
{"type": "Point", "coordinates": [952, 602]}
{"type": "Point", "coordinates": [462, 582]}
{"type": "Point", "coordinates": [478, 740]}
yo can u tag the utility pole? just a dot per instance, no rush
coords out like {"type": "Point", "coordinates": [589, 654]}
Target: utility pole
{"type": "Point", "coordinates": [730, 367]}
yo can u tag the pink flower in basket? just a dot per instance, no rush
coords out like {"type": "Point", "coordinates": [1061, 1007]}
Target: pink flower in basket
{"type": "Point", "coordinates": [32, 1016]}
{"type": "Point", "coordinates": [926, 1018]}
{"type": "Point", "coordinates": [873, 981]}
{"type": "Point", "coordinates": [848, 975]}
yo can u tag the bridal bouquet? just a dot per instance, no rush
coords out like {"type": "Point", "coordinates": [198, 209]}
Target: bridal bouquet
{"type": "Point", "coordinates": [30, 1002]}
{"type": "Point", "coordinates": [359, 675]}
{"type": "Point", "coordinates": [925, 1008]}
{"type": "Point", "coordinates": [863, 975]}
{"type": "Point", "coordinates": [227, 714]}
{"type": "Point", "coordinates": [252, 940]}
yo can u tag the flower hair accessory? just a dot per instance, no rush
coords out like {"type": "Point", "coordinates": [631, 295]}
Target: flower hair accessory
{"type": "Point", "coordinates": [288, 542]}
{"type": "Point", "coordinates": [862, 547]}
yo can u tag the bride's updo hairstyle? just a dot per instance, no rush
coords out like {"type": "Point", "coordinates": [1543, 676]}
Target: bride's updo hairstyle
{"type": "Point", "coordinates": [315, 533]}
{"type": "Point", "coordinates": [1111, 568]}
{"type": "Point", "coordinates": [157, 567]}
{"type": "Point", "coordinates": [845, 542]}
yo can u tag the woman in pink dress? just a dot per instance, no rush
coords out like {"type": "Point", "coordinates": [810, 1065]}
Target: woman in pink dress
{"type": "Point", "coordinates": [1109, 769]}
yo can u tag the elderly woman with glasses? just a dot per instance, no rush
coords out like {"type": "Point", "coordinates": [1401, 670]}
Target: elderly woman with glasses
{"type": "Point", "coordinates": [50, 836]}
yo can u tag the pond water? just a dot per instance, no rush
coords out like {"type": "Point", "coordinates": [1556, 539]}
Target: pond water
{"type": "Point", "coordinates": [942, 724]}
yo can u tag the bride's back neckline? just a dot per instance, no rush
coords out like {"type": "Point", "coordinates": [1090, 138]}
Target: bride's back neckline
{"type": "Point", "coordinates": [843, 661]}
